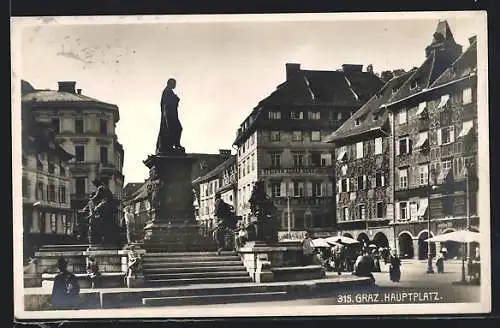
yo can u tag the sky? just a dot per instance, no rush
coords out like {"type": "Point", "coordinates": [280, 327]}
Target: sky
{"type": "Point", "coordinates": [223, 69]}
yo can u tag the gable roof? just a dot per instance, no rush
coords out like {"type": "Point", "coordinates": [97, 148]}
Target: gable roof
{"type": "Point", "coordinates": [464, 66]}
{"type": "Point", "coordinates": [370, 116]}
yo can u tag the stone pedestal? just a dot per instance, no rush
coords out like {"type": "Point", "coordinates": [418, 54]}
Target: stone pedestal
{"type": "Point", "coordinates": [173, 225]}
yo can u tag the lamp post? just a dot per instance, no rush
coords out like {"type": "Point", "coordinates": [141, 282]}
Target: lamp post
{"type": "Point", "coordinates": [429, 189]}
{"type": "Point", "coordinates": [288, 215]}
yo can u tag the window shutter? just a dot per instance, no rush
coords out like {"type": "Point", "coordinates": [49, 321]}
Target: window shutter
{"type": "Point", "coordinates": [283, 189]}
{"type": "Point", "coordinates": [309, 189]}
{"type": "Point", "coordinates": [397, 147]}
{"type": "Point", "coordinates": [383, 180]}
{"type": "Point", "coordinates": [439, 139]}
{"type": "Point", "coordinates": [397, 214]}
{"type": "Point", "coordinates": [290, 191]}
{"type": "Point", "coordinates": [348, 187]}
{"type": "Point", "coordinates": [452, 133]}
{"type": "Point", "coordinates": [364, 182]}
{"type": "Point", "coordinates": [339, 186]}
{"type": "Point", "coordinates": [324, 192]}
{"type": "Point", "coordinates": [269, 190]}
{"type": "Point", "coordinates": [329, 187]}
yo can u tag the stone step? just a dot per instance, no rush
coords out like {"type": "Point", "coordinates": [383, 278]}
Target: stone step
{"type": "Point", "coordinates": [187, 275]}
{"type": "Point", "coordinates": [214, 299]}
{"type": "Point", "coordinates": [159, 269]}
{"type": "Point", "coordinates": [190, 264]}
{"type": "Point", "coordinates": [191, 259]}
{"type": "Point", "coordinates": [185, 254]}
{"type": "Point", "coordinates": [192, 281]}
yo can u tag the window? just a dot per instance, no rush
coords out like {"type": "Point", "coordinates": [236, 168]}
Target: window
{"type": "Point", "coordinates": [51, 165]}
{"type": "Point", "coordinates": [40, 191]}
{"type": "Point", "coordinates": [345, 214]}
{"type": "Point", "coordinates": [458, 166]}
{"type": "Point", "coordinates": [403, 211]}
{"type": "Point", "coordinates": [275, 136]}
{"type": "Point", "coordinates": [316, 189]}
{"type": "Point", "coordinates": [51, 193]}
{"type": "Point", "coordinates": [316, 158]}
{"type": "Point", "coordinates": [53, 223]}
{"type": "Point", "coordinates": [62, 194]}
{"type": "Point", "coordinates": [339, 116]}
{"type": "Point", "coordinates": [379, 211]}
{"type": "Point", "coordinates": [253, 162]}
{"type": "Point", "coordinates": [343, 169]}
{"type": "Point", "coordinates": [315, 136]}
{"type": "Point", "coordinates": [276, 159]}
{"type": "Point", "coordinates": [378, 146]}
{"type": "Point", "coordinates": [375, 117]}
{"type": "Point", "coordinates": [39, 163]}
{"type": "Point", "coordinates": [446, 135]}
{"type": "Point", "coordinates": [361, 212]}
{"type": "Point", "coordinates": [326, 159]}
{"type": "Point", "coordinates": [423, 175]}
{"type": "Point", "coordinates": [26, 187]}
{"type": "Point", "coordinates": [274, 115]}
{"type": "Point", "coordinates": [403, 178]}
{"type": "Point", "coordinates": [402, 116]}
{"type": "Point", "coordinates": [80, 186]}
{"type": "Point", "coordinates": [298, 159]}
{"type": "Point", "coordinates": [56, 124]}
{"type": "Point", "coordinates": [344, 185]}
{"type": "Point", "coordinates": [413, 84]}
{"type": "Point", "coordinates": [361, 182]}
{"type": "Point", "coordinates": [62, 169]}
{"type": "Point", "coordinates": [78, 125]}
{"type": "Point", "coordinates": [248, 165]}
{"type": "Point", "coordinates": [297, 115]}
{"type": "Point", "coordinates": [104, 154]}
{"type": "Point", "coordinates": [297, 136]}
{"type": "Point", "coordinates": [103, 126]}
{"type": "Point", "coordinates": [404, 146]}
{"type": "Point", "coordinates": [276, 189]}
{"type": "Point", "coordinates": [379, 179]}
{"type": "Point", "coordinates": [357, 122]}
{"type": "Point", "coordinates": [80, 153]}
{"type": "Point", "coordinates": [298, 189]}
{"type": "Point", "coordinates": [314, 115]}
{"type": "Point", "coordinates": [359, 150]}
{"type": "Point", "coordinates": [446, 165]}
{"type": "Point", "coordinates": [466, 96]}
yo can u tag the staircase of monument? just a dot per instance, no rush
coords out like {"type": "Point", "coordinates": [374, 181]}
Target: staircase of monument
{"type": "Point", "coordinates": [187, 268]}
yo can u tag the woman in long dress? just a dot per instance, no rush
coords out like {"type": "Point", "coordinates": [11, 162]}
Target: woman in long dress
{"type": "Point", "coordinates": [394, 267]}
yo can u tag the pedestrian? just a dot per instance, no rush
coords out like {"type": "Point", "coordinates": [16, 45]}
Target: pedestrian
{"type": "Point", "coordinates": [339, 256]}
{"type": "Point", "coordinates": [307, 250]}
{"type": "Point", "coordinates": [93, 272]}
{"type": "Point", "coordinates": [440, 262]}
{"type": "Point", "coordinates": [444, 251]}
{"type": "Point", "coordinates": [66, 289]}
{"type": "Point", "coordinates": [394, 266]}
{"type": "Point", "coordinates": [364, 265]}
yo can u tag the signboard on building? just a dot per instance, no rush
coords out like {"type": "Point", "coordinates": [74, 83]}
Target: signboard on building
{"type": "Point", "coordinates": [293, 235]}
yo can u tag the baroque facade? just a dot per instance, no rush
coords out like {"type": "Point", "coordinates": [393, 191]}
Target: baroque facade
{"type": "Point", "coordinates": [47, 214]}
{"type": "Point", "coordinates": [85, 127]}
{"type": "Point", "coordinates": [427, 146]}
{"type": "Point", "coordinates": [281, 143]}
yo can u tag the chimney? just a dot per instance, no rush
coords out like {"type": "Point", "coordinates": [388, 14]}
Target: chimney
{"type": "Point", "coordinates": [79, 91]}
{"type": "Point", "coordinates": [67, 86]}
{"type": "Point", "coordinates": [386, 75]}
{"type": "Point", "coordinates": [292, 70]}
{"type": "Point", "coordinates": [369, 68]}
{"type": "Point", "coordinates": [225, 152]}
{"type": "Point", "coordinates": [350, 68]}
{"type": "Point", "coordinates": [472, 39]}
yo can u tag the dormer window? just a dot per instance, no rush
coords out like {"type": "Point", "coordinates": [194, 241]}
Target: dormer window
{"type": "Point", "coordinates": [274, 115]}
{"type": "Point", "coordinates": [297, 115]}
{"type": "Point", "coordinates": [413, 85]}
{"type": "Point", "coordinates": [375, 117]}
{"type": "Point", "coordinates": [357, 122]}
{"type": "Point", "coordinates": [394, 90]}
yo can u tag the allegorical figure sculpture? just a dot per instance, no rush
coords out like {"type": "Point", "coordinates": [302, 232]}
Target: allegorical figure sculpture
{"type": "Point", "coordinates": [169, 137]}
{"type": "Point", "coordinates": [263, 210]}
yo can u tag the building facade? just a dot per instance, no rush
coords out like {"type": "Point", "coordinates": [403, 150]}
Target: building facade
{"type": "Point", "coordinates": [47, 214]}
{"type": "Point", "coordinates": [222, 179]}
{"type": "Point", "coordinates": [424, 143]}
{"type": "Point", "coordinates": [281, 143]}
{"type": "Point", "coordinates": [85, 127]}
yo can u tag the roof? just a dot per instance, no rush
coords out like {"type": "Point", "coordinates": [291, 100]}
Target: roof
{"type": "Point", "coordinates": [462, 67]}
{"type": "Point", "coordinates": [39, 137]}
{"type": "Point", "coordinates": [217, 170]}
{"type": "Point", "coordinates": [141, 192]}
{"type": "Point", "coordinates": [313, 87]}
{"type": "Point", "coordinates": [369, 111]}
{"type": "Point", "coordinates": [130, 188]}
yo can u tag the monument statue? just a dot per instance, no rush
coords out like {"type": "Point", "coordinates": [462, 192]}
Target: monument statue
{"type": "Point", "coordinates": [169, 137]}
{"type": "Point", "coordinates": [226, 221]}
{"type": "Point", "coordinates": [264, 213]}
{"type": "Point", "coordinates": [101, 210]}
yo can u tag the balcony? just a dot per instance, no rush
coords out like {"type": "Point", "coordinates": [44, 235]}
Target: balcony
{"type": "Point", "coordinates": [326, 170]}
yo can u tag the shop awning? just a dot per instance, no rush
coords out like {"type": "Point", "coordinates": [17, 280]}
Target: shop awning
{"type": "Point", "coordinates": [341, 155]}
{"type": "Point", "coordinates": [421, 108]}
{"type": "Point", "coordinates": [466, 128]}
{"type": "Point", "coordinates": [422, 138]}
{"type": "Point", "coordinates": [444, 100]}
{"type": "Point", "coordinates": [424, 203]}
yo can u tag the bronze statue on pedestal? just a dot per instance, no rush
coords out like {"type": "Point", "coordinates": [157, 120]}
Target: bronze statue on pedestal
{"type": "Point", "coordinates": [169, 136]}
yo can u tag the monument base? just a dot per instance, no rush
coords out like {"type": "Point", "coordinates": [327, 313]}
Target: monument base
{"type": "Point", "coordinates": [175, 237]}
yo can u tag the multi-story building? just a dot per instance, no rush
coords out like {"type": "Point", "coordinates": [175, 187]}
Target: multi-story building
{"type": "Point", "coordinates": [363, 159]}
{"type": "Point", "coordinates": [281, 143]}
{"type": "Point", "coordinates": [47, 214]}
{"type": "Point", "coordinates": [420, 133]}
{"type": "Point", "coordinates": [221, 179]}
{"type": "Point", "coordinates": [85, 127]}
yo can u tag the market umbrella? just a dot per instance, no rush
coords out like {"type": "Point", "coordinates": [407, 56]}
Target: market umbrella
{"type": "Point", "coordinates": [461, 236]}
{"type": "Point", "coordinates": [320, 242]}
{"type": "Point", "coordinates": [372, 246]}
{"type": "Point", "coordinates": [343, 240]}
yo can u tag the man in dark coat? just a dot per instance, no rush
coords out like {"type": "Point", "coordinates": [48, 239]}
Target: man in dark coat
{"type": "Point", "coordinates": [225, 220]}
{"type": "Point", "coordinates": [66, 290]}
